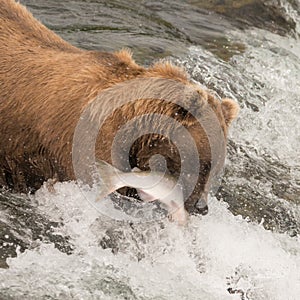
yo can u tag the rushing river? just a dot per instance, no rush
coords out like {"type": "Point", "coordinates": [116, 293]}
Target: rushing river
{"type": "Point", "coordinates": [57, 246]}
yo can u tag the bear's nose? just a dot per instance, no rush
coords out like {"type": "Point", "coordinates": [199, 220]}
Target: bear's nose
{"type": "Point", "coordinates": [201, 207]}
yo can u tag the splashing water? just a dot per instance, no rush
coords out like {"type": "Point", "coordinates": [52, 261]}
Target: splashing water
{"type": "Point", "coordinates": [211, 256]}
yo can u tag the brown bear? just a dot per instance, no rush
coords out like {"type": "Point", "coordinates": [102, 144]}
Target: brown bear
{"type": "Point", "coordinates": [46, 84]}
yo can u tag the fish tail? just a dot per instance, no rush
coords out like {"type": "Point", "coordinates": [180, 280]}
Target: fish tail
{"type": "Point", "coordinates": [109, 178]}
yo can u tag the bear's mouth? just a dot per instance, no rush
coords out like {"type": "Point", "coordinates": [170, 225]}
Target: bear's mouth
{"type": "Point", "coordinates": [127, 199]}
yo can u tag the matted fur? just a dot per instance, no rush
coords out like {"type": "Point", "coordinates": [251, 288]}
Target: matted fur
{"type": "Point", "coordinates": [45, 84]}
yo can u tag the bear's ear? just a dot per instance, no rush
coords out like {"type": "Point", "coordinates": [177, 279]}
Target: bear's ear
{"type": "Point", "coordinates": [230, 110]}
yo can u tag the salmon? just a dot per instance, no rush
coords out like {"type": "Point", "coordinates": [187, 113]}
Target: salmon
{"type": "Point", "coordinates": [149, 185]}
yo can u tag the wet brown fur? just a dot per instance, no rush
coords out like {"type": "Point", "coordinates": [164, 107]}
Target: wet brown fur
{"type": "Point", "coordinates": [45, 84]}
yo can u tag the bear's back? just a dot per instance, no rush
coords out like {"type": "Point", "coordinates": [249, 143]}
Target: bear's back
{"type": "Point", "coordinates": [18, 24]}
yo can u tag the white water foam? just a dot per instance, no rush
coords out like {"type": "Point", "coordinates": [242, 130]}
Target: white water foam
{"type": "Point", "coordinates": [202, 261]}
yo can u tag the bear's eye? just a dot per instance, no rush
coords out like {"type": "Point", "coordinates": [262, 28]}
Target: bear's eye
{"type": "Point", "coordinates": [181, 112]}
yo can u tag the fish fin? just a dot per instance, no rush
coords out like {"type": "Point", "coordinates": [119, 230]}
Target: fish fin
{"type": "Point", "coordinates": [145, 197]}
{"type": "Point", "coordinates": [109, 178]}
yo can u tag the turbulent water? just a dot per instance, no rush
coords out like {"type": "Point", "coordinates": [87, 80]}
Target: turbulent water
{"type": "Point", "coordinates": [247, 247]}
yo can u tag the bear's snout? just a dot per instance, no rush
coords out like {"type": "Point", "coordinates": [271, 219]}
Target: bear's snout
{"type": "Point", "coordinates": [200, 208]}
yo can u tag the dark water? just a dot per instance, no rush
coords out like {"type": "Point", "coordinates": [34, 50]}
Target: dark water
{"type": "Point", "coordinates": [247, 247]}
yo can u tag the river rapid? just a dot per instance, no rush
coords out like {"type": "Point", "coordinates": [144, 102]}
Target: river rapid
{"type": "Point", "coordinates": [58, 246]}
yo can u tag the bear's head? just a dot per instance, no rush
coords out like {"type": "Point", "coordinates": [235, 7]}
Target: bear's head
{"type": "Point", "coordinates": [168, 123]}
{"type": "Point", "coordinates": [173, 148]}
